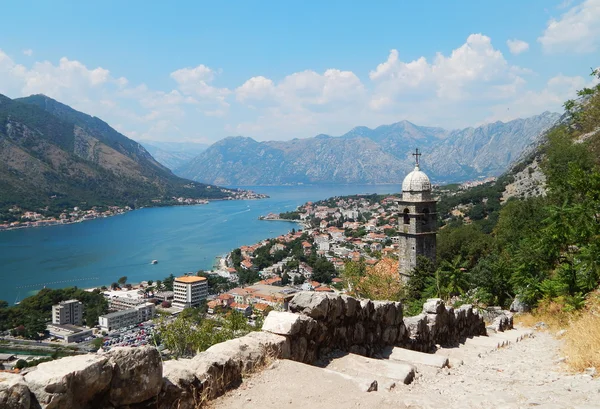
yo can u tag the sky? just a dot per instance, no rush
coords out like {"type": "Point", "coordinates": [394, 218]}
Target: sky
{"type": "Point", "coordinates": [199, 71]}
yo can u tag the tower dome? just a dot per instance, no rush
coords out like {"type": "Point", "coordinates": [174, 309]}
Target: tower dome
{"type": "Point", "coordinates": [416, 181]}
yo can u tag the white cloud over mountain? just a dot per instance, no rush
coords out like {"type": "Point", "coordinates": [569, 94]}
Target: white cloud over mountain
{"type": "Point", "coordinates": [468, 85]}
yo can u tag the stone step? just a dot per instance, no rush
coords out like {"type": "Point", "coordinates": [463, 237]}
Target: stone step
{"type": "Point", "coordinates": [513, 335]}
{"type": "Point", "coordinates": [387, 373]}
{"type": "Point", "coordinates": [491, 343]}
{"type": "Point", "coordinates": [414, 357]}
{"type": "Point", "coordinates": [362, 383]}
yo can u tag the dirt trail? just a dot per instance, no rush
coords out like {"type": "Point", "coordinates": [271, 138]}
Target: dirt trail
{"type": "Point", "coordinates": [522, 375]}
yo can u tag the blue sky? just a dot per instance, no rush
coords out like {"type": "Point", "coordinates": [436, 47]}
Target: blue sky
{"type": "Point", "coordinates": [201, 71]}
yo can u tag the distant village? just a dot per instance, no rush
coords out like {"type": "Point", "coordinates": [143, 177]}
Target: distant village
{"type": "Point", "coordinates": [27, 219]}
{"type": "Point", "coordinates": [334, 231]}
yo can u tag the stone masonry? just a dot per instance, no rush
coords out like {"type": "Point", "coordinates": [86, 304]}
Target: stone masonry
{"type": "Point", "coordinates": [315, 324]}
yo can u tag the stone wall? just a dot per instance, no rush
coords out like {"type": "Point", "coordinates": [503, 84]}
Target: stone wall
{"type": "Point", "coordinates": [136, 378]}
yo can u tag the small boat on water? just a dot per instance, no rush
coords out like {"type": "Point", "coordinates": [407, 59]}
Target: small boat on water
{"type": "Point", "coordinates": [154, 262]}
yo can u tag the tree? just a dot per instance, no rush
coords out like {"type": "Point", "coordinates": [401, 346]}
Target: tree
{"type": "Point", "coordinates": [299, 279]}
{"type": "Point", "coordinates": [323, 270]}
{"type": "Point", "coordinates": [21, 363]}
{"type": "Point", "coordinates": [122, 280]}
{"type": "Point", "coordinates": [451, 278]}
{"type": "Point", "coordinates": [150, 282]}
{"type": "Point", "coordinates": [285, 279]}
{"type": "Point", "coordinates": [97, 343]}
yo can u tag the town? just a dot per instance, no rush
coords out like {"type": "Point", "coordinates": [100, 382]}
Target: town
{"type": "Point", "coordinates": [20, 218]}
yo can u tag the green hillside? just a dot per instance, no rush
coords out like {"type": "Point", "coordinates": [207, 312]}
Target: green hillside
{"type": "Point", "coordinates": [540, 248]}
{"type": "Point", "coordinates": [56, 157]}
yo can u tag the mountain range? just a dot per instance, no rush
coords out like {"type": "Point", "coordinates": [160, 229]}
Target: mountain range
{"type": "Point", "coordinates": [53, 155]}
{"type": "Point", "coordinates": [174, 154]}
{"type": "Point", "coordinates": [369, 156]}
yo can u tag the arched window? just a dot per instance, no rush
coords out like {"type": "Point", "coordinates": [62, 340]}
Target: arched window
{"type": "Point", "coordinates": [425, 218]}
{"type": "Point", "coordinates": [406, 216]}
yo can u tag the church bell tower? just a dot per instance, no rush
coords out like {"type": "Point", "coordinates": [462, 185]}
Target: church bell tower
{"type": "Point", "coordinates": [417, 222]}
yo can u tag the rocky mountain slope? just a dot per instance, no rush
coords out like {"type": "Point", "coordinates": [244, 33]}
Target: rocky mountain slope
{"type": "Point", "coordinates": [364, 155]}
{"type": "Point", "coordinates": [51, 154]}
{"type": "Point", "coordinates": [174, 154]}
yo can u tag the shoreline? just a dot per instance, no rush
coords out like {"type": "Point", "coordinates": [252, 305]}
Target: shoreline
{"type": "Point", "coordinates": [54, 223]}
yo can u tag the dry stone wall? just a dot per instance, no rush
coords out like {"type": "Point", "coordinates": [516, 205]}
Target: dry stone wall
{"type": "Point", "coordinates": [136, 378]}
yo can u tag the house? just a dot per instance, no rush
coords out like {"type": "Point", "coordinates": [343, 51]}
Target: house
{"type": "Point", "coordinates": [240, 295]}
{"type": "Point", "coordinates": [324, 289]}
{"type": "Point", "coordinates": [376, 247]}
{"type": "Point", "coordinates": [323, 246]}
{"type": "Point", "coordinates": [212, 306]}
{"type": "Point", "coordinates": [226, 299]}
{"type": "Point", "coordinates": [243, 308]}
{"type": "Point", "coordinates": [246, 264]}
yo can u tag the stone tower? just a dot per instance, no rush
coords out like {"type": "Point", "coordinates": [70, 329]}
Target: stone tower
{"type": "Point", "coordinates": [417, 222]}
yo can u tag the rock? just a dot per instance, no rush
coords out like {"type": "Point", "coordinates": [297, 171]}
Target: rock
{"type": "Point", "coordinates": [70, 382]}
{"type": "Point", "coordinates": [561, 333]}
{"type": "Point", "coordinates": [315, 305]}
{"type": "Point", "coordinates": [180, 387]}
{"type": "Point", "coordinates": [540, 325]}
{"type": "Point", "coordinates": [14, 393]}
{"type": "Point", "coordinates": [433, 306]}
{"type": "Point", "coordinates": [137, 375]}
{"type": "Point", "coordinates": [519, 305]}
{"type": "Point", "coordinates": [282, 323]}
{"type": "Point", "coordinates": [590, 371]}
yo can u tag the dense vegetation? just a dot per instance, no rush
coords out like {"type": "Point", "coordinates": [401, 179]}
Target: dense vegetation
{"type": "Point", "coordinates": [49, 165]}
{"type": "Point", "coordinates": [191, 332]}
{"type": "Point", "coordinates": [542, 249]}
{"type": "Point", "coordinates": [323, 269]}
{"type": "Point", "coordinates": [29, 318]}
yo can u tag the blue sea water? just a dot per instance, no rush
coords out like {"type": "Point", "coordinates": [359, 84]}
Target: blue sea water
{"type": "Point", "coordinates": [181, 238]}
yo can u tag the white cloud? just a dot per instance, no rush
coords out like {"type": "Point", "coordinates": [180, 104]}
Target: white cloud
{"type": "Point", "coordinates": [577, 30]}
{"type": "Point", "coordinates": [28, 52]}
{"type": "Point", "coordinates": [256, 88]}
{"type": "Point", "coordinates": [473, 71]}
{"type": "Point", "coordinates": [517, 46]}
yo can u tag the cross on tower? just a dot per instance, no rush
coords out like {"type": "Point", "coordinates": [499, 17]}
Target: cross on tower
{"type": "Point", "coordinates": [416, 155]}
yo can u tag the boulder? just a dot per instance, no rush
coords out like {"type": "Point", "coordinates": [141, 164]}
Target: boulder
{"type": "Point", "coordinates": [282, 323]}
{"type": "Point", "coordinates": [137, 375]}
{"type": "Point", "coordinates": [433, 306]}
{"type": "Point", "coordinates": [180, 387]}
{"type": "Point", "coordinates": [14, 393]}
{"type": "Point", "coordinates": [70, 382]}
{"type": "Point", "coordinates": [315, 305]}
{"type": "Point", "coordinates": [518, 305]}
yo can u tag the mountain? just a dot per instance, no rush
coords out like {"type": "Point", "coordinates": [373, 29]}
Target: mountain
{"type": "Point", "coordinates": [174, 154]}
{"type": "Point", "coordinates": [52, 155]}
{"type": "Point", "coordinates": [365, 155]}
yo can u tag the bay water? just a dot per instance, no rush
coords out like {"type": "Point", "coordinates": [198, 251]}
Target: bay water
{"type": "Point", "coordinates": [181, 238]}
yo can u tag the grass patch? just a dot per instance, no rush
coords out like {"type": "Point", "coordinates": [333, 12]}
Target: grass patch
{"type": "Point", "coordinates": [582, 337]}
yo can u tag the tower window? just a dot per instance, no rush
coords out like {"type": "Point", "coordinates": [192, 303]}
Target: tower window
{"type": "Point", "coordinates": [406, 216]}
{"type": "Point", "coordinates": [425, 218]}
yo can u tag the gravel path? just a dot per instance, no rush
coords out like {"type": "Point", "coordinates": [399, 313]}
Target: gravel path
{"type": "Point", "coordinates": [523, 375]}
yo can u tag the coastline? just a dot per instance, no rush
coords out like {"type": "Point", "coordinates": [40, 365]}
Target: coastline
{"type": "Point", "coordinates": [121, 210]}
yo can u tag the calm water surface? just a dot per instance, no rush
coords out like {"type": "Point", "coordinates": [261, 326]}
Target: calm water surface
{"type": "Point", "coordinates": [182, 239]}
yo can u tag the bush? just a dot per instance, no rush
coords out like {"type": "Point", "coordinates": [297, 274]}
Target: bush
{"type": "Point", "coordinates": [21, 363]}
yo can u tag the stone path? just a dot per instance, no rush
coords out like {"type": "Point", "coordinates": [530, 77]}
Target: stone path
{"type": "Point", "coordinates": [485, 372]}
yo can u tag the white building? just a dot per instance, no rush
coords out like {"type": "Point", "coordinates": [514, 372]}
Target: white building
{"type": "Point", "coordinates": [124, 303]}
{"type": "Point", "coordinates": [189, 291]}
{"type": "Point", "coordinates": [67, 312]}
{"type": "Point", "coordinates": [125, 318]}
